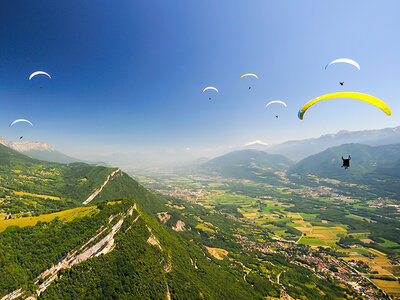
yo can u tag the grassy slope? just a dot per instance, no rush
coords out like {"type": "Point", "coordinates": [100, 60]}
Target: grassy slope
{"type": "Point", "coordinates": [64, 215]}
{"type": "Point", "coordinates": [23, 178]}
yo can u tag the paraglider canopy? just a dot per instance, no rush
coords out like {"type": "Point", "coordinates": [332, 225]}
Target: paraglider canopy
{"type": "Point", "coordinates": [351, 95]}
{"type": "Point", "coordinates": [38, 73]}
{"type": "Point", "coordinates": [20, 120]}
{"type": "Point", "coordinates": [210, 88]}
{"type": "Point", "coordinates": [276, 101]}
{"type": "Point", "coordinates": [344, 60]}
{"type": "Point", "coordinates": [249, 74]}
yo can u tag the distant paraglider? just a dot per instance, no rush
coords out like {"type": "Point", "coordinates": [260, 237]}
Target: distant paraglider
{"type": "Point", "coordinates": [20, 120]}
{"type": "Point", "coordinates": [249, 74]}
{"type": "Point", "coordinates": [38, 73]}
{"type": "Point", "coordinates": [351, 95]}
{"type": "Point", "coordinates": [278, 102]}
{"type": "Point", "coordinates": [210, 88]}
{"type": "Point", "coordinates": [344, 60]}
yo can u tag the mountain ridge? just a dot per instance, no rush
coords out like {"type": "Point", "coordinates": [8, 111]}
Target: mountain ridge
{"type": "Point", "coordinates": [44, 151]}
{"type": "Point", "coordinates": [299, 149]}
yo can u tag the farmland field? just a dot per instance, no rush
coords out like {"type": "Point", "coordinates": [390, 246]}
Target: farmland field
{"type": "Point", "coordinates": [319, 217]}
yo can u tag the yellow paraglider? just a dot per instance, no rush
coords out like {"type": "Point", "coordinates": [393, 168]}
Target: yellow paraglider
{"type": "Point", "coordinates": [249, 74]}
{"type": "Point", "coordinates": [352, 95]}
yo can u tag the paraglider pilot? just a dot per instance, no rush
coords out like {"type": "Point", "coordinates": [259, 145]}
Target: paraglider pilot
{"type": "Point", "coordinates": [346, 162]}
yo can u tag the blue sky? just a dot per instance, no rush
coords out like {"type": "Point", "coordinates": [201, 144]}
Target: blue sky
{"type": "Point", "coordinates": [128, 75]}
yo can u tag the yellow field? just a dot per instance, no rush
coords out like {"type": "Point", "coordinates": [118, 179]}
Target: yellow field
{"type": "Point", "coordinates": [294, 216]}
{"type": "Point", "coordinates": [36, 195]}
{"type": "Point", "coordinates": [251, 215]}
{"type": "Point", "coordinates": [178, 207]}
{"type": "Point", "coordinates": [376, 252]}
{"type": "Point", "coordinates": [356, 258]}
{"type": "Point", "coordinates": [204, 228]}
{"type": "Point", "coordinates": [382, 265]}
{"type": "Point", "coordinates": [114, 202]}
{"type": "Point", "coordinates": [318, 235]}
{"type": "Point", "coordinates": [379, 263]}
{"type": "Point", "coordinates": [305, 227]}
{"type": "Point", "coordinates": [217, 252]}
{"type": "Point", "coordinates": [328, 233]}
{"type": "Point", "coordinates": [65, 215]}
{"type": "Point", "coordinates": [390, 287]}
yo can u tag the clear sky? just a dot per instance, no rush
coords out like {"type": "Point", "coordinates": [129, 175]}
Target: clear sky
{"type": "Point", "coordinates": [128, 75]}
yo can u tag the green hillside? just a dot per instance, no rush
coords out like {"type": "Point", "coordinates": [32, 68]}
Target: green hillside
{"type": "Point", "coordinates": [247, 164]}
{"type": "Point", "coordinates": [52, 156]}
{"type": "Point", "coordinates": [122, 249]}
{"type": "Point", "coordinates": [25, 252]}
{"type": "Point", "coordinates": [385, 179]}
{"type": "Point", "coordinates": [377, 167]}
{"type": "Point", "coordinates": [58, 157]}
{"type": "Point", "coordinates": [364, 159]}
{"type": "Point", "coordinates": [27, 184]}
{"type": "Point", "coordinates": [300, 149]}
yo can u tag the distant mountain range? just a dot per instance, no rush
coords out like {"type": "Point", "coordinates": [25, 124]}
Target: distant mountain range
{"type": "Point", "coordinates": [250, 158]}
{"type": "Point", "coordinates": [300, 149]}
{"type": "Point", "coordinates": [378, 167]}
{"type": "Point", "coordinates": [364, 159]}
{"type": "Point", "coordinates": [44, 151]}
{"type": "Point", "coordinates": [293, 150]}
{"type": "Point", "coordinates": [245, 164]}
{"type": "Point", "coordinates": [375, 166]}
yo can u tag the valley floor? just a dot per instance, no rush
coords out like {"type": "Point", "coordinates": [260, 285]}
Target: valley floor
{"type": "Point", "coordinates": [331, 232]}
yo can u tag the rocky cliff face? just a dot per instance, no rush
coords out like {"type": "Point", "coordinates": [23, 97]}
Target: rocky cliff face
{"type": "Point", "coordinates": [27, 146]}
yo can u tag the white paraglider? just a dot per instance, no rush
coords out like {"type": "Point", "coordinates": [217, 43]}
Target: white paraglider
{"type": "Point", "coordinates": [344, 60]}
{"type": "Point", "coordinates": [210, 88]}
{"type": "Point", "coordinates": [276, 101]}
{"type": "Point", "coordinates": [20, 120]}
{"type": "Point", "coordinates": [39, 73]}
